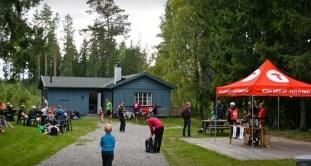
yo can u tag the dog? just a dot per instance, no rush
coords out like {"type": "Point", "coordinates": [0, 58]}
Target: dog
{"type": "Point", "coordinates": [129, 115]}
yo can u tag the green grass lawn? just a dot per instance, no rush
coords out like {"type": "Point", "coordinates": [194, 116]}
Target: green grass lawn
{"type": "Point", "coordinates": [24, 145]}
{"type": "Point", "coordinates": [293, 134]}
{"type": "Point", "coordinates": [181, 153]}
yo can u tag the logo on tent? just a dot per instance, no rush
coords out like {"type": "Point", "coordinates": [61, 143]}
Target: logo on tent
{"type": "Point", "coordinates": [252, 76]}
{"type": "Point", "coordinates": [276, 76]}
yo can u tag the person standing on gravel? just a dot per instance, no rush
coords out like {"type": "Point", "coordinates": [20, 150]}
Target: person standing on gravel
{"type": "Point", "coordinates": [157, 129]}
{"type": "Point", "coordinates": [121, 110]}
{"type": "Point", "coordinates": [108, 108]}
{"type": "Point", "coordinates": [107, 143]}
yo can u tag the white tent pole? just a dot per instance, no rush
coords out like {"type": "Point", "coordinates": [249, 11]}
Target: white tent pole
{"type": "Point", "coordinates": [252, 121]}
{"type": "Point", "coordinates": [278, 114]}
{"type": "Point", "coordinates": [215, 115]}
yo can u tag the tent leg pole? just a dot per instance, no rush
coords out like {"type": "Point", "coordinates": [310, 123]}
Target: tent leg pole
{"type": "Point", "coordinates": [216, 116]}
{"type": "Point", "coordinates": [278, 115]}
{"type": "Point", "coordinates": [252, 121]}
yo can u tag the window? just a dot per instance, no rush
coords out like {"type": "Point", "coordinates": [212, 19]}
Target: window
{"type": "Point", "coordinates": [144, 98]}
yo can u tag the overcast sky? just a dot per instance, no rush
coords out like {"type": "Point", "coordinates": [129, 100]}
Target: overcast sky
{"type": "Point", "coordinates": [144, 16]}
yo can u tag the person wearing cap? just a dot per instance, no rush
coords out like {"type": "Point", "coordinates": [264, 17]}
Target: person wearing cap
{"type": "Point", "coordinates": [233, 113]}
{"type": "Point", "coordinates": [156, 128]}
{"type": "Point", "coordinates": [108, 108]}
{"type": "Point", "coordinates": [107, 143]}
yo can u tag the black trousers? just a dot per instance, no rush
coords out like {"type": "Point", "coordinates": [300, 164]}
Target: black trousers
{"type": "Point", "coordinates": [158, 139]}
{"type": "Point", "coordinates": [187, 123]}
{"type": "Point", "coordinates": [107, 158]}
{"type": "Point", "coordinates": [122, 125]}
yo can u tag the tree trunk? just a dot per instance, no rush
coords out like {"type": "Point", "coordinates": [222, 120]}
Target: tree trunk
{"type": "Point", "coordinates": [39, 68]}
{"type": "Point", "coordinates": [45, 64]}
{"type": "Point", "coordinates": [302, 125]}
{"type": "Point", "coordinates": [55, 63]}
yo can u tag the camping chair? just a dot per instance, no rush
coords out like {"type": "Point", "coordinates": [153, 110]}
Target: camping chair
{"type": "Point", "coordinates": [61, 123]}
{"type": "Point", "coordinates": [68, 124]}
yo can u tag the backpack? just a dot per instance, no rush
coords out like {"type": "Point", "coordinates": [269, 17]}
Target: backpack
{"type": "Point", "coordinates": [149, 145]}
{"type": "Point", "coordinates": [54, 131]}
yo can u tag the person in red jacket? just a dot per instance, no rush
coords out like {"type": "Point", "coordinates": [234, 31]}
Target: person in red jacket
{"type": "Point", "coordinates": [262, 113]}
{"type": "Point", "coordinates": [233, 113]}
{"type": "Point", "coordinates": [157, 129]}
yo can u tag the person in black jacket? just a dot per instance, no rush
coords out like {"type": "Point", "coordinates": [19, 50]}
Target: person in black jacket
{"type": "Point", "coordinates": [186, 115]}
{"type": "Point", "coordinates": [121, 110]}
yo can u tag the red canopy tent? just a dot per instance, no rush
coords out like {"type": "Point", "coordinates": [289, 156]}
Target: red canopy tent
{"type": "Point", "coordinates": [267, 80]}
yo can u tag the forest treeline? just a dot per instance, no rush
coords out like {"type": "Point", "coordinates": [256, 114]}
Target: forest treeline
{"type": "Point", "coordinates": [29, 46]}
{"type": "Point", "coordinates": [208, 43]}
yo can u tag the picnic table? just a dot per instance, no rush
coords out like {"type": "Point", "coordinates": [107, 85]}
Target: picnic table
{"type": "Point", "coordinates": [214, 125]}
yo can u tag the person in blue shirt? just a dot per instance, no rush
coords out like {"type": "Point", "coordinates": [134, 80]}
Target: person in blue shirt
{"type": "Point", "coordinates": [60, 113]}
{"type": "Point", "coordinates": [107, 143]}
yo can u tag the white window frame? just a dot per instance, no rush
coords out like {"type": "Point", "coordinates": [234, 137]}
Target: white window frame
{"type": "Point", "coordinates": [143, 98]}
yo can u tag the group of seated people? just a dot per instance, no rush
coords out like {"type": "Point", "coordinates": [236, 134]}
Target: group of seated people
{"type": "Point", "coordinates": [50, 120]}
{"type": "Point", "coordinates": [6, 115]}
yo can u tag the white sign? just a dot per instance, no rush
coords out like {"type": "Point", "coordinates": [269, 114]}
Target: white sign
{"type": "Point", "coordinates": [276, 76]}
{"type": "Point", "coordinates": [252, 76]}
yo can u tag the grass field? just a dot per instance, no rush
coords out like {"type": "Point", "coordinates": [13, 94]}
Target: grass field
{"type": "Point", "coordinates": [24, 145]}
{"type": "Point", "coordinates": [180, 153]}
{"type": "Point", "coordinates": [293, 134]}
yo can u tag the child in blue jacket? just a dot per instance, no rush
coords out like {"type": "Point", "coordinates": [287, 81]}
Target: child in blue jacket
{"type": "Point", "coordinates": [107, 143]}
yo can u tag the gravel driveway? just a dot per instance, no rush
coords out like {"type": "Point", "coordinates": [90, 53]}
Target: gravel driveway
{"type": "Point", "coordinates": [129, 151]}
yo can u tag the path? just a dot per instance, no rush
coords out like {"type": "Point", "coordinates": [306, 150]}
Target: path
{"type": "Point", "coordinates": [281, 148]}
{"type": "Point", "coordinates": [130, 149]}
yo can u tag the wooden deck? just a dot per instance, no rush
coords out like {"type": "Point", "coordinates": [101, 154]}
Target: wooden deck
{"type": "Point", "coordinates": [281, 148]}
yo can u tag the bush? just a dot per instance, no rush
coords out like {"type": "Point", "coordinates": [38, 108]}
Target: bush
{"type": "Point", "coordinates": [18, 94]}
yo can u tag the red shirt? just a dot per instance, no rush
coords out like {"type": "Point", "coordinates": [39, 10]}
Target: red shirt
{"type": "Point", "coordinates": [262, 113]}
{"type": "Point", "coordinates": [233, 112]}
{"type": "Point", "coordinates": [154, 123]}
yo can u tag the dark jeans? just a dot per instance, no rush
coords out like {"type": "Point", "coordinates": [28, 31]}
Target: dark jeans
{"type": "Point", "coordinates": [187, 123]}
{"type": "Point", "coordinates": [158, 139]}
{"type": "Point", "coordinates": [108, 112]}
{"type": "Point", "coordinates": [107, 158]}
{"type": "Point", "coordinates": [122, 125]}
{"type": "Point", "coordinates": [20, 119]}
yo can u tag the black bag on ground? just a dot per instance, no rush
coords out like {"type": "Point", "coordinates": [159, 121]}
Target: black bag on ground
{"type": "Point", "coordinates": [149, 144]}
{"type": "Point", "coordinates": [54, 131]}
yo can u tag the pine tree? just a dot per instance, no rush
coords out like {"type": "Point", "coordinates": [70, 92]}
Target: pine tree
{"type": "Point", "coordinates": [110, 24]}
{"type": "Point", "coordinates": [69, 66]}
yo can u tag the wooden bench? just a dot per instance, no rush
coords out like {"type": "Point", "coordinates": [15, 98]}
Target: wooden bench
{"type": "Point", "coordinates": [210, 125]}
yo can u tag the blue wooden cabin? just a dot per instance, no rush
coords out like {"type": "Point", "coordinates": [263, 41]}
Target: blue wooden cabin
{"type": "Point", "coordinates": [87, 94]}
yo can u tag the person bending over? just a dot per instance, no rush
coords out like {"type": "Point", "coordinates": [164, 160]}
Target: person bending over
{"type": "Point", "coordinates": [157, 129]}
